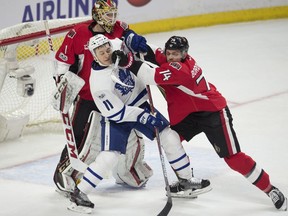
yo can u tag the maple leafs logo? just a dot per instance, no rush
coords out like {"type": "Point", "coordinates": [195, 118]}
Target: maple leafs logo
{"type": "Point", "coordinates": [126, 78]}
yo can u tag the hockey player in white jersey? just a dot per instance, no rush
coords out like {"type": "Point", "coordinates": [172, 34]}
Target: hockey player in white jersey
{"type": "Point", "coordinates": [122, 101]}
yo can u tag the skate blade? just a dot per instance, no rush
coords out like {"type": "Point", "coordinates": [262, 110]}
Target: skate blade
{"type": "Point", "coordinates": [201, 191]}
{"type": "Point", "coordinates": [191, 194]}
{"type": "Point", "coordinates": [284, 206]}
{"type": "Point", "coordinates": [79, 209]}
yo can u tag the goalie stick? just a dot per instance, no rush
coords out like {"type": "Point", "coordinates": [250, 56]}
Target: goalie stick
{"type": "Point", "coordinates": [165, 211]}
{"type": "Point", "coordinates": [76, 163]}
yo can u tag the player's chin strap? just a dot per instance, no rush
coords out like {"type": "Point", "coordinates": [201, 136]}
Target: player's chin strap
{"type": "Point", "coordinates": [165, 211]}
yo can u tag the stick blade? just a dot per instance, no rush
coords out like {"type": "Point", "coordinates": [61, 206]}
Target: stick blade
{"type": "Point", "coordinates": [165, 211]}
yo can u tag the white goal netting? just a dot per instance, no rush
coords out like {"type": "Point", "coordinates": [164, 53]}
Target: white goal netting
{"type": "Point", "coordinates": [30, 42]}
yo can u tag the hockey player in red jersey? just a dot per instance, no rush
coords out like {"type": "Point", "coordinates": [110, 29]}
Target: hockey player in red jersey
{"type": "Point", "coordinates": [195, 106]}
{"type": "Point", "coordinates": [74, 55]}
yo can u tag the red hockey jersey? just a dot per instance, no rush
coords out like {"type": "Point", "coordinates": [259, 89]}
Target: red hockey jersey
{"type": "Point", "coordinates": [76, 44]}
{"type": "Point", "coordinates": [186, 88]}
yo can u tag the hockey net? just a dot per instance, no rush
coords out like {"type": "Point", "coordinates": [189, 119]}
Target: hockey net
{"type": "Point", "coordinates": [30, 42]}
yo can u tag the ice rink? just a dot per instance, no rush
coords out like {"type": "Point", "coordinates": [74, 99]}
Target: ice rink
{"type": "Point", "coordinates": [248, 63]}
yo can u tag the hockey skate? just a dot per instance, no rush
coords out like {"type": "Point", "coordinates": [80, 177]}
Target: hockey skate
{"type": "Point", "coordinates": [189, 188]}
{"type": "Point", "coordinates": [80, 202]}
{"type": "Point", "coordinates": [278, 199]}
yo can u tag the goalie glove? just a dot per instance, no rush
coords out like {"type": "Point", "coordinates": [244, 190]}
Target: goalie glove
{"type": "Point", "coordinates": [61, 69]}
{"type": "Point", "coordinates": [66, 91]}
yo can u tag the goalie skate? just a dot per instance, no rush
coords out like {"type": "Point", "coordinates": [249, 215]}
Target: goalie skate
{"type": "Point", "coordinates": [80, 202]}
{"type": "Point", "coordinates": [190, 188]}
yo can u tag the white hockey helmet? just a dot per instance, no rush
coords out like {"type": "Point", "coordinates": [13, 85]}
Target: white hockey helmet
{"type": "Point", "coordinates": [98, 41]}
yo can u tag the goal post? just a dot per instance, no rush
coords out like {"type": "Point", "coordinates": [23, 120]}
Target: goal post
{"type": "Point", "coordinates": [27, 45]}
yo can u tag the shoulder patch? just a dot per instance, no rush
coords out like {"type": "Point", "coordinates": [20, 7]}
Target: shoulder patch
{"type": "Point", "coordinates": [63, 57]}
{"type": "Point", "coordinates": [71, 33]}
{"type": "Point", "coordinates": [176, 65]}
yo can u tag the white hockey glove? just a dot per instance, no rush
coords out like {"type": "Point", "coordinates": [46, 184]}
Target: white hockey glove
{"type": "Point", "coordinates": [66, 91]}
{"type": "Point", "coordinates": [61, 69]}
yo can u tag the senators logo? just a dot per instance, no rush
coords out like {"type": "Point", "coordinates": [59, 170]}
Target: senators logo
{"type": "Point", "coordinates": [176, 65]}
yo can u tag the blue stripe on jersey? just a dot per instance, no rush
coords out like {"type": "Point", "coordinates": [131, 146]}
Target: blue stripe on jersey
{"type": "Point", "coordinates": [139, 97]}
{"type": "Point", "coordinates": [120, 114]}
{"type": "Point", "coordinates": [178, 159]}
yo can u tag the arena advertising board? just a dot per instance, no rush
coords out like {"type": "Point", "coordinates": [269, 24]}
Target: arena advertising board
{"type": "Point", "coordinates": [131, 11]}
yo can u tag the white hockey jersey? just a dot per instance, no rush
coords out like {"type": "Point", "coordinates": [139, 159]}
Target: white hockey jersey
{"type": "Point", "coordinates": [116, 101]}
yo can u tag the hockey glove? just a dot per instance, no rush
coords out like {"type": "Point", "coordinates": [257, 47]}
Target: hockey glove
{"type": "Point", "coordinates": [136, 43]}
{"type": "Point", "coordinates": [151, 121]}
{"type": "Point", "coordinates": [126, 60]}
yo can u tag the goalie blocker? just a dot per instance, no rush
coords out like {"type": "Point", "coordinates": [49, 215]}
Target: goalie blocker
{"type": "Point", "coordinates": [131, 170]}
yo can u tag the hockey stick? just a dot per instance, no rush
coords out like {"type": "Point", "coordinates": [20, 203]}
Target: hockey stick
{"type": "Point", "coordinates": [165, 211]}
{"type": "Point", "coordinates": [76, 163]}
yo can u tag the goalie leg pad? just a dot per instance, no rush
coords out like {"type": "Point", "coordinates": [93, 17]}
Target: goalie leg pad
{"type": "Point", "coordinates": [65, 176]}
{"type": "Point", "coordinates": [132, 170]}
{"type": "Point", "coordinates": [92, 142]}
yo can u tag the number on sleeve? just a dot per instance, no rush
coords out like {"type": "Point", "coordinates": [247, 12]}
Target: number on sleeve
{"type": "Point", "coordinates": [202, 78]}
{"type": "Point", "coordinates": [108, 105]}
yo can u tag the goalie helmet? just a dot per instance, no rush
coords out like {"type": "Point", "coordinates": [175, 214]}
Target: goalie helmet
{"type": "Point", "coordinates": [177, 43]}
{"type": "Point", "coordinates": [105, 12]}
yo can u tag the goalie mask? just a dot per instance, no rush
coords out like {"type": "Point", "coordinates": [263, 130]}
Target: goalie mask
{"type": "Point", "coordinates": [98, 41]}
{"type": "Point", "coordinates": [105, 12]}
{"type": "Point", "coordinates": [177, 43]}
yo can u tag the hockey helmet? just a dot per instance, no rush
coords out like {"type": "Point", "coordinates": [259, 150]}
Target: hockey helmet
{"type": "Point", "coordinates": [177, 43]}
{"type": "Point", "coordinates": [96, 42]}
{"type": "Point", "coordinates": [105, 12]}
